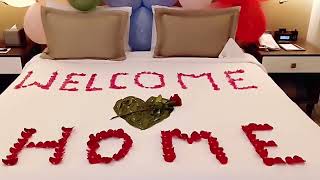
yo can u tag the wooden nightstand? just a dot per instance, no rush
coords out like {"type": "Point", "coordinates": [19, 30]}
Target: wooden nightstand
{"type": "Point", "coordinates": [11, 63]}
{"type": "Point", "coordinates": [296, 72]}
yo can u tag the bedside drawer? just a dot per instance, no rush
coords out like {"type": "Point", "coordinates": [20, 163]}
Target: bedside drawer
{"type": "Point", "coordinates": [292, 64]}
{"type": "Point", "coordinates": [10, 65]}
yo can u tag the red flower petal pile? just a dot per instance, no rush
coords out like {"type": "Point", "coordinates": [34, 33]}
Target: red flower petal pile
{"type": "Point", "coordinates": [90, 84]}
{"type": "Point", "coordinates": [113, 81]}
{"type": "Point", "coordinates": [59, 146]}
{"type": "Point", "coordinates": [42, 86]}
{"type": "Point", "coordinates": [93, 145]}
{"type": "Point", "coordinates": [232, 81]}
{"type": "Point", "coordinates": [161, 78]}
{"type": "Point", "coordinates": [69, 80]}
{"type": "Point", "coordinates": [12, 159]}
{"type": "Point", "coordinates": [208, 75]}
{"type": "Point", "coordinates": [168, 149]}
{"type": "Point", "coordinates": [260, 146]}
{"type": "Point", "coordinates": [176, 100]}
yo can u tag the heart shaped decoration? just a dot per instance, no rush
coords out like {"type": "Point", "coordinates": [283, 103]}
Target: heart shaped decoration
{"type": "Point", "coordinates": [143, 114]}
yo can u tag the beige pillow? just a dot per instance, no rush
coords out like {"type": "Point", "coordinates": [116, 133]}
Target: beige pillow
{"type": "Point", "coordinates": [194, 33]}
{"type": "Point", "coordinates": [97, 34]}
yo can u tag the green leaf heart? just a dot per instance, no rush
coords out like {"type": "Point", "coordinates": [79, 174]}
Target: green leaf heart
{"type": "Point", "coordinates": [141, 114]}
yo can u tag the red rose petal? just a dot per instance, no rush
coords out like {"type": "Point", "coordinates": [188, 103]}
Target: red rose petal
{"type": "Point", "coordinates": [30, 131]}
{"type": "Point", "coordinates": [59, 149]}
{"type": "Point", "coordinates": [183, 136]}
{"type": "Point", "coordinates": [40, 145]}
{"type": "Point", "coordinates": [47, 144]}
{"type": "Point", "coordinates": [212, 139]}
{"type": "Point", "coordinates": [110, 131]}
{"type": "Point", "coordinates": [123, 151]}
{"type": "Point", "coordinates": [116, 157]}
{"type": "Point", "coordinates": [167, 137]}
{"type": "Point", "coordinates": [195, 136]}
{"type": "Point", "coordinates": [167, 144]}
{"type": "Point", "coordinates": [53, 144]}
{"type": "Point", "coordinates": [94, 155]}
{"type": "Point", "coordinates": [25, 135]}
{"type": "Point", "coordinates": [106, 160]}
{"type": "Point", "coordinates": [64, 129]}
{"type": "Point", "coordinates": [271, 144]}
{"type": "Point", "coordinates": [252, 137]}
{"type": "Point", "coordinates": [176, 100]}
{"type": "Point", "coordinates": [104, 134]}
{"type": "Point", "coordinates": [120, 132]}
{"type": "Point", "coordinates": [223, 159]}
{"type": "Point", "coordinates": [55, 161]}
{"type": "Point", "coordinates": [176, 132]}
{"type": "Point", "coordinates": [245, 129]}
{"type": "Point", "coordinates": [13, 150]}
{"type": "Point", "coordinates": [62, 142]}
{"type": "Point", "coordinates": [166, 134]}
{"type": "Point", "coordinates": [98, 136]}
{"type": "Point", "coordinates": [22, 141]}
{"type": "Point", "coordinates": [58, 154]}
{"type": "Point", "coordinates": [252, 126]}
{"type": "Point", "coordinates": [213, 149]}
{"type": "Point", "coordinates": [18, 145]}
{"type": "Point", "coordinates": [126, 145]}
{"type": "Point", "coordinates": [10, 162]}
{"type": "Point", "coordinates": [298, 159]}
{"type": "Point", "coordinates": [205, 134]}
{"type": "Point", "coordinates": [31, 145]}
{"type": "Point", "coordinates": [190, 140]}
{"type": "Point", "coordinates": [92, 137]}
{"type": "Point", "coordinates": [93, 145]}
{"type": "Point", "coordinates": [65, 135]}
{"type": "Point", "coordinates": [169, 157]}
{"type": "Point", "coordinates": [213, 143]}
{"type": "Point", "coordinates": [94, 160]}
{"type": "Point", "coordinates": [279, 160]}
{"type": "Point", "coordinates": [263, 153]}
{"type": "Point", "coordinates": [168, 150]}
{"type": "Point", "coordinates": [11, 156]}
{"type": "Point", "coordinates": [268, 161]}
{"type": "Point", "coordinates": [220, 150]}
{"type": "Point", "coordinates": [267, 127]}
{"type": "Point", "coordinates": [289, 160]}
{"type": "Point", "coordinates": [258, 145]}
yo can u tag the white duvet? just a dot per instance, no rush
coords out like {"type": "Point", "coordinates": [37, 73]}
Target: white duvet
{"type": "Point", "coordinates": [222, 112]}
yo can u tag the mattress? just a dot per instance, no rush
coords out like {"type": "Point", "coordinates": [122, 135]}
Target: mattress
{"type": "Point", "coordinates": [218, 95]}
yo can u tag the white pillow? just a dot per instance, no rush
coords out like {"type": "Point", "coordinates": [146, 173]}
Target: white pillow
{"type": "Point", "coordinates": [66, 7]}
{"type": "Point", "coordinates": [232, 50]}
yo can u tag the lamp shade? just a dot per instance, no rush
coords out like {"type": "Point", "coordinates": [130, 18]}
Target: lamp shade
{"type": "Point", "coordinates": [19, 3]}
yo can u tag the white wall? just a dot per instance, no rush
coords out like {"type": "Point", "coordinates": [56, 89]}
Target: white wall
{"type": "Point", "coordinates": [294, 14]}
{"type": "Point", "coordinates": [314, 26]}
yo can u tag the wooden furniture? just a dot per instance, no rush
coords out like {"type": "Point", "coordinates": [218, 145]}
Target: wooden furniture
{"type": "Point", "coordinates": [11, 63]}
{"type": "Point", "coordinates": [296, 72]}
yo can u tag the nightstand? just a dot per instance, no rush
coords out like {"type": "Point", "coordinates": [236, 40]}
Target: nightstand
{"type": "Point", "coordinates": [296, 72]}
{"type": "Point", "coordinates": [11, 63]}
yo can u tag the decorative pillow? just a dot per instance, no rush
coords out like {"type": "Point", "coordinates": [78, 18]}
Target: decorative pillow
{"type": "Point", "coordinates": [96, 34]}
{"type": "Point", "coordinates": [154, 31]}
{"type": "Point", "coordinates": [194, 33]}
{"type": "Point", "coordinates": [62, 6]}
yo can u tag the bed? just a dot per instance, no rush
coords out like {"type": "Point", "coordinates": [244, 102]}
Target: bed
{"type": "Point", "coordinates": [217, 104]}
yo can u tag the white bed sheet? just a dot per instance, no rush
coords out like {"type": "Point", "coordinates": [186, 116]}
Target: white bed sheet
{"type": "Point", "coordinates": [222, 112]}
